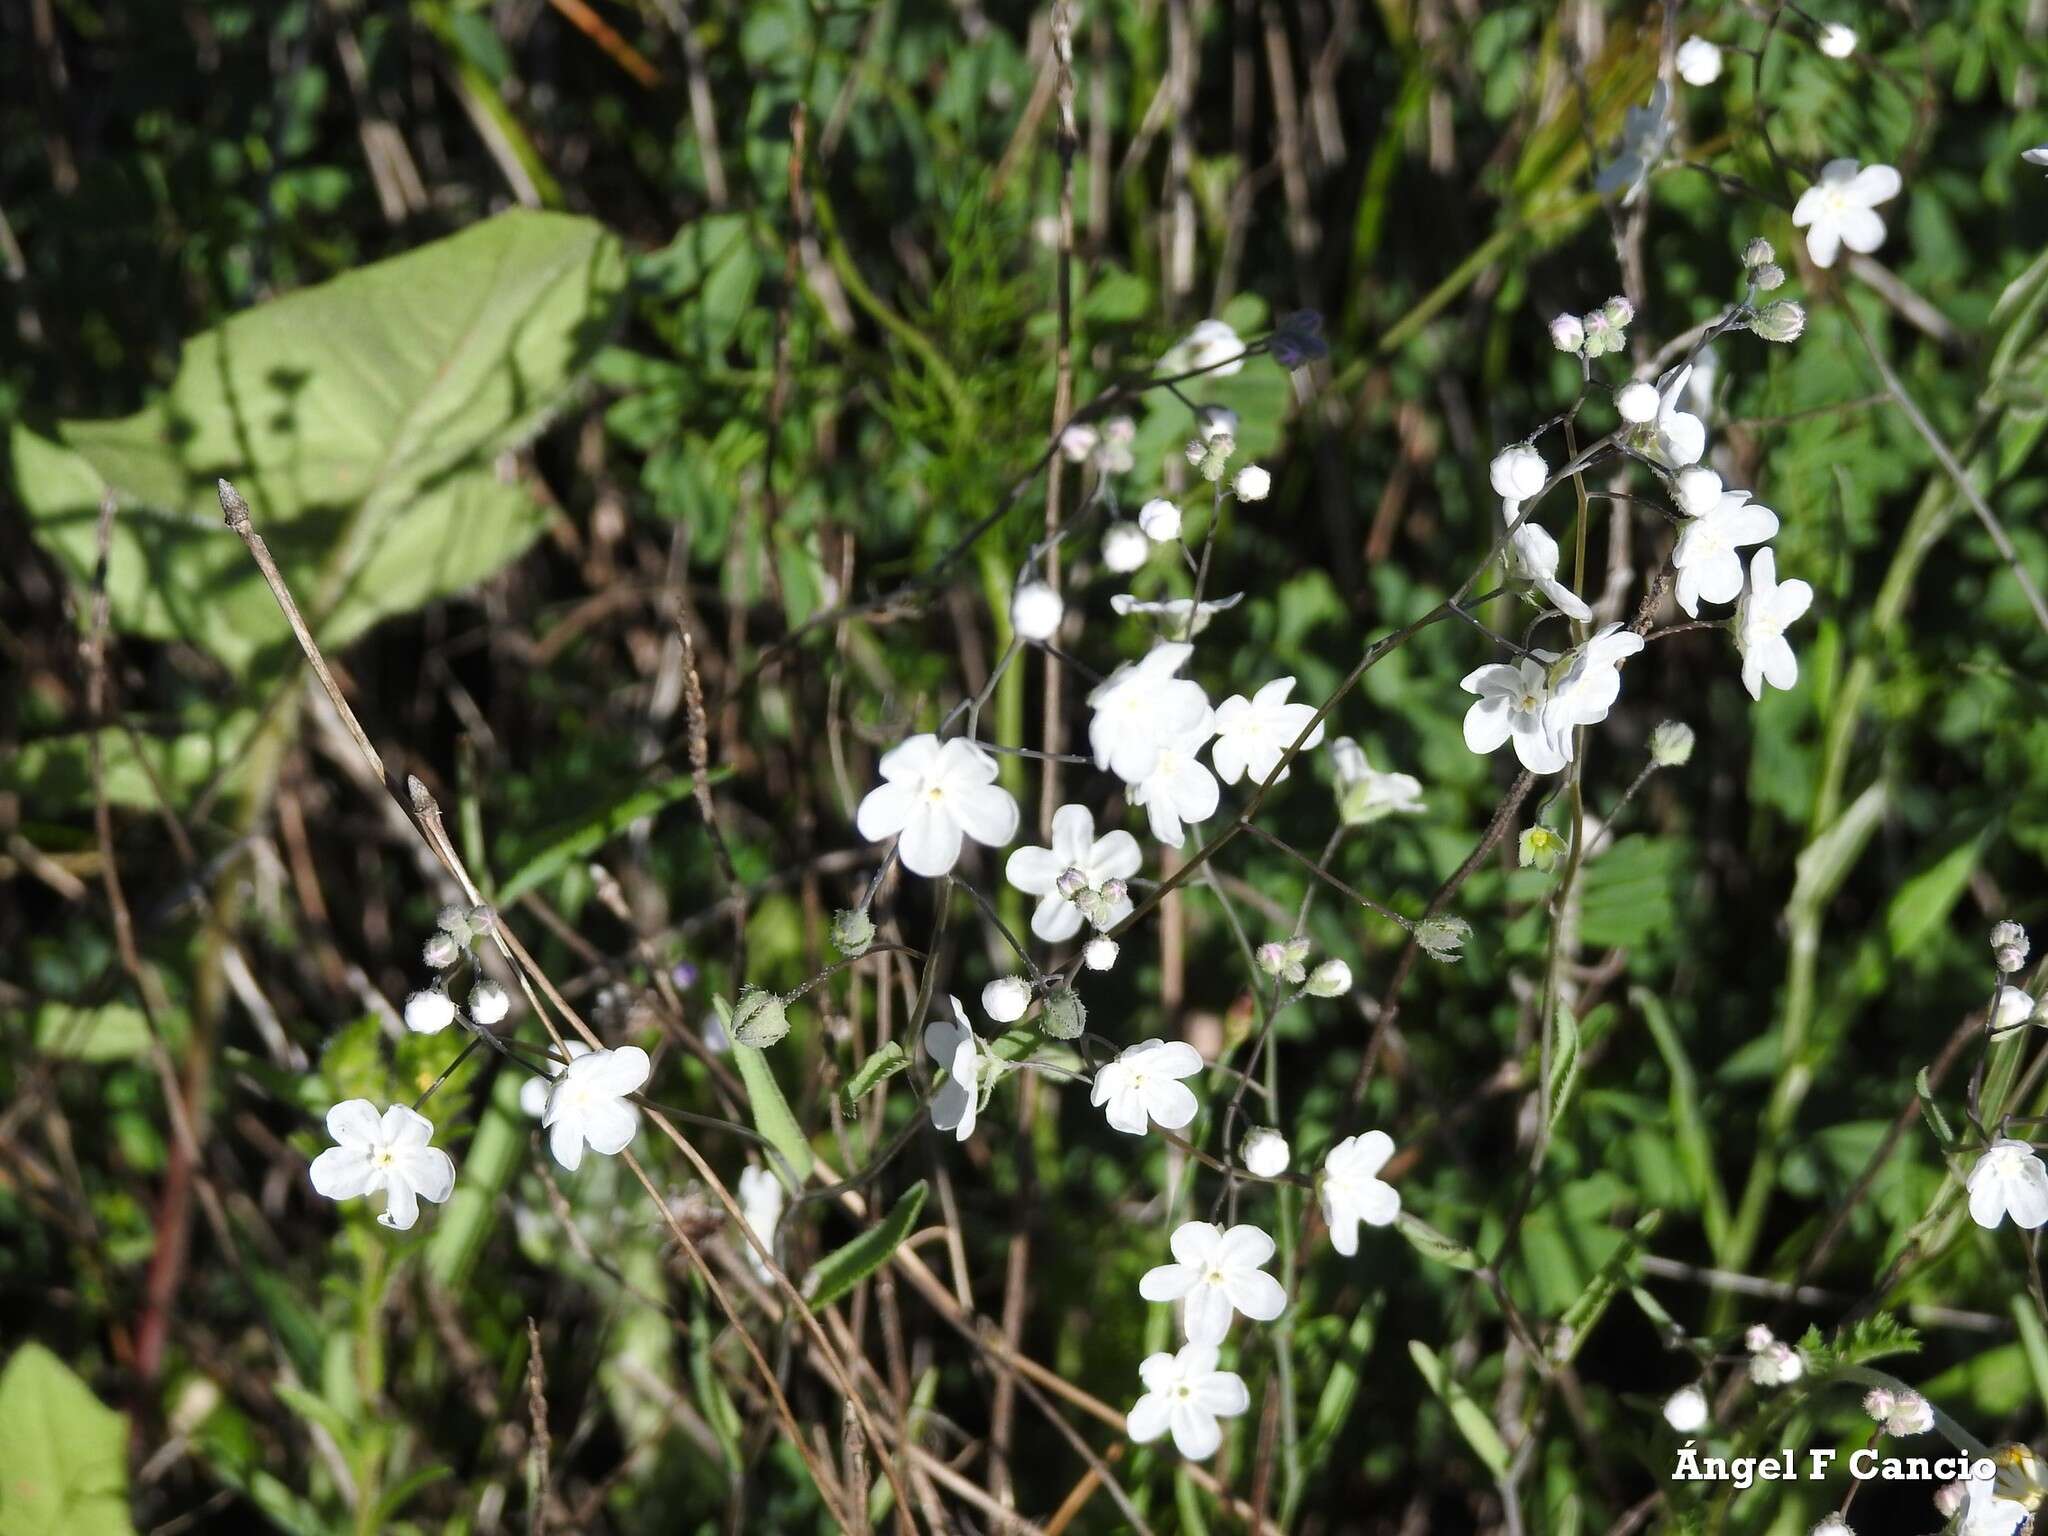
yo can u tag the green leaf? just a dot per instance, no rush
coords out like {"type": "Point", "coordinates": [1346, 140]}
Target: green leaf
{"type": "Point", "coordinates": [1688, 1124]}
{"type": "Point", "coordinates": [1577, 1323]}
{"type": "Point", "coordinates": [772, 1117]}
{"type": "Point", "coordinates": [592, 831]}
{"type": "Point", "coordinates": [110, 1032]}
{"type": "Point", "coordinates": [65, 1471]}
{"type": "Point", "coordinates": [1340, 1387]}
{"type": "Point", "coordinates": [1470, 1418]}
{"type": "Point", "coordinates": [362, 420]}
{"type": "Point", "coordinates": [140, 770]}
{"type": "Point", "coordinates": [1826, 861]}
{"type": "Point", "coordinates": [837, 1273]}
{"type": "Point", "coordinates": [1923, 903]}
{"type": "Point", "coordinates": [877, 1069]}
{"type": "Point", "coordinates": [1436, 1246]}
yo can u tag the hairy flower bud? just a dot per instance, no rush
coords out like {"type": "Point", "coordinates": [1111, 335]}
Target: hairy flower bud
{"type": "Point", "coordinates": [1330, 979]}
{"type": "Point", "coordinates": [1912, 1414]}
{"type": "Point", "coordinates": [2009, 946]}
{"type": "Point", "coordinates": [1686, 1410]}
{"type": "Point", "coordinates": [1264, 1151]}
{"type": "Point", "coordinates": [1757, 253]}
{"type": "Point", "coordinates": [1125, 547]}
{"type": "Point", "coordinates": [430, 1012]}
{"type": "Point", "coordinates": [1619, 312]}
{"type": "Point", "coordinates": [1253, 483]}
{"type": "Point", "coordinates": [488, 1002]}
{"type": "Point", "coordinates": [1063, 1017]}
{"type": "Point", "coordinates": [852, 931]}
{"type": "Point", "coordinates": [1671, 744]}
{"type": "Point", "coordinates": [1099, 953]}
{"type": "Point", "coordinates": [1782, 321]}
{"type": "Point", "coordinates": [1272, 957]}
{"type": "Point", "coordinates": [1005, 999]}
{"type": "Point", "coordinates": [1878, 1403]}
{"type": "Point", "coordinates": [1036, 610]}
{"type": "Point", "coordinates": [1768, 277]}
{"type": "Point", "coordinates": [440, 950]}
{"type": "Point", "coordinates": [760, 1018]}
{"type": "Point", "coordinates": [1160, 520]}
{"type": "Point", "coordinates": [1567, 333]}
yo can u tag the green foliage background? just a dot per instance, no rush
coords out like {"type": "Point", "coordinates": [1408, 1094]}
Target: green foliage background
{"type": "Point", "coordinates": [497, 470]}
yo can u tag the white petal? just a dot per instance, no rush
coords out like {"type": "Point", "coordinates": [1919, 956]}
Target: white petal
{"type": "Point", "coordinates": [342, 1173]}
{"type": "Point", "coordinates": [1222, 1393]}
{"type": "Point", "coordinates": [1875, 184]}
{"type": "Point", "coordinates": [1034, 871]}
{"type": "Point", "coordinates": [1055, 919]}
{"type": "Point", "coordinates": [401, 1206]}
{"type": "Point", "coordinates": [1126, 1112]}
{"type": "Point", "coordinates": [1149, 1417]}
{"type": "Point", "coordinates": [1244, 1246]}
{"type": "Point", "coordinates": [988, 814]}
{"type": "Point", "coordinates": [616, 1072]}
{"type": "Point", "coordinates": [609, 1128]}
{"type": "Point", "coordinates": [1823, 242]}
{"type": "Point", "coordinates": [910, 759]}
{"type": "Point", "coordinates": [432, 1172]}
{"type": "Point", "coordinates": [1862, 230]}
{"type": "Point", "coordinates": [355, 1123]}
{"type": "Point", "coordinates": [1166, 1282]}
{"type": "Point", "coordinates": [1171, 1105]}
{"type": "Point", "coordinates": [1073, 830]}
{"type": "Point", "coordinates": [1378, 1204]}
{"type": "Point", "coordinates": [1987, 1194]}
{"type": "Point", "coordinates": [565, 1140]}
{"type": "Point", "coordinates": [1193, 1242]}
{"type": "Point", "coordinates": [1116, 856]}
{"type": "Point", "coordinates": [1257, 1295]}
{"type": "Point", "coordinates": [884, 810]}
{"type": "Point", "coordinates": [2026, 1194]}
{"type": "Point", "coordinates": [1206, 1314]}
{"type": "Point", "coordinates": [1488, 723]}
{"type": "Point", "coordinates": [930, 844]}
{"type": "Point", "coordinates": [1195, 1434]}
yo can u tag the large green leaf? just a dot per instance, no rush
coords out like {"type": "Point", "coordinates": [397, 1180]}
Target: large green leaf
{"type": "Point", "coordinates": [65, 1470]}
{"type": "Point", "coordinates": [362, 420]}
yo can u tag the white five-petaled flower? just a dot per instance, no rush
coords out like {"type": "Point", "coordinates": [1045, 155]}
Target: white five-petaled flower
{"type": "Point", "coordinates": [1686, 1410]}
{"type": "Point", "coordinates": [1517, 473]}
{"type": "Point", "coordinates": [1585, 686]}
{"type": "Point", "coordinates": [1213, 345]}
{"type": "Point", "coordinates": [1767, 610]}
{"type": "Point", "coordinates": [1252, 735]}
{"type": "Point", "coordinates": [1706, 559]}
{"type": "Point", "coordinates": [1141, 706]}
{"type": "Point", "coordinates": [1841, 209]}
{"type": "Point", "coordinates": [1179, 790]}
{"type": "Point", "coordinates": [931, 793]}
{"type": "Point", "coordinates": [387, 1153]}
{"type": "Point", "coordinates": [1513, 696]}
{"type": "Point", "coordinates": [761, 1198]}
{"type": "Point", "coordinates": [1837, 41]}
{"type": "Point", "coordinates": [1988, 1512]}
{"type": "Point", "coordinates": [1186, 1394]}
{"type": "Point", "coordinates": [533, 1093]}
{"type": "Point", "coordinates": [1216, 1273]}
{"type": "Point", "coordinates": [1353, 1191]}
{"type": "Point", "coordinates": [2009, 1181]}
{"type": "Point", "coordinates": [1532, 556]}
{"type": "Point", "coordinates": [1036, 871]}
{"type": "Point", "coordinates": [1699, 61]}
{"type": "Point", "coordinates": [587, 1104]}
{"type": "Point", "coordinates": [951, 1043]}
{"type": "Point", "coordinates": [1185, 618]}
{"type": "Point", "coordinates": [1143, 1086]}
{"type": "Point", "coordinates": [1679, 437]}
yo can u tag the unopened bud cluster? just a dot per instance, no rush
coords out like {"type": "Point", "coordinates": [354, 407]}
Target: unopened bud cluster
{"type": "Point", "coordinates": [2009, 946]}
{"type": "Point", "coordinates": [1597, 333]}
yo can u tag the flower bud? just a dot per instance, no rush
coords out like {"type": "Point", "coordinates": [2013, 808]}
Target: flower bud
{"type": "Point", "coordinates": [488, 1002]}
{"type": "Point", "coordinates": [852, 931]}
{"type": "Point", "coordinates": [1878, 1403]}
{"type": "Point", "coordinates": [1197, 450]}
{"type": "Point", "coordinates": [1063, 1017]}
{"type": "Point", "coordinates": [1114, 892]}
{"type": "Point", "coordinates": [454, 918]}
{"type": "Point", "coordinates": [430, 1012]}
{"type": "Point", "coordinates": [1518, 472]}
{"type": "Point", "coordinates": [440, 950]}
{"type": "Point", "coordinates": [1567, 333]}
{"type": "Point", "coordinates": [1005, 999]}
{"type": "Point", "coordinates": [2011, 1008]}
{"type": "Point", "coordinates": [1125, 547]}
{"type": "Point", "coordinates": [1699, 491]}
{"type": "Point", "coordinates": [1912, 1414]}
{"type": "Point", "coordinates": [483, 922]}
{"type": "Point", "coordinates": [1071, 882]}
{"type": "Point", "coordinates": [1264, 1151]}
{"type": "Point", "coordinates": [1837, 41]}
{"type": "Point", "coordinates": [1252, 483]}
{"type": "Point", "coordinates": [1686, 1410]}
{"type": "Point", "coordinates": [1160, 520]}
{"type": "Point", "coordinates": [1832, 1525]}
{"type": "Point", "coordinates": [1036, 611]}
{"type": "Point", "coordinates": [1214, 420]}
{"type": "Point", "coordinates": [1759, 1337]}
{"type": "Point", "coordinates": [1768, 277]}
{"type": "Point", "coordinates": [1601, 336]}
{"type": "Point", "coordinates": [1619, 312]}
{"type": "Point", "coordinates": [1078, 441]}
{"type": "Point", "coordinates": [760, 1018]}
{"type": "Point", "coordinates": [1757, 253]}
{"type": "Point", "coordinates": [1671, 744]}
{"type": "Point", "coordinates": [1782, 321]}
{"type": "Point", "coordinates": [1637, 403]}
{"type": "Point", "coordinates": [1540, 848]}
{"type": "Point", "coordinates": [1272, 957]}
{"type": "Point", "coordinates": [2009, 946]}
{"type": "Point", "coordinates": [1778, 1366]}
{"type": "Point", "coordinates": [1442, 937]}
{"type": "Point", "coordinates": [1330, 979]}
{"type": "Point", "coordinates": [1948, 1499]}
{"type": "Point", "coordinates": [1099, 953]}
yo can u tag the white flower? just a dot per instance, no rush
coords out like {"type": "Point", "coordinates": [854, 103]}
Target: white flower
{"type": "Point", "coordinates": [488, 1002]}
{"type": "Point", "coordinates": [1252, 483]}
{"type": "Point", "coordinates": [2038, 155]}
{"type": "Point", "coordinates": [1005, 999]}
{"type": "Point", "coordinates": [1036, 611]}
{"type": "Point", "coordinates": [1036, 871]}
{"type": "Point", "coordinates": [1637, 403]}
{"type": "Point", "coordinates": [1185, 1393]}
{"type": "Point", "coordinates": [1264, 1152]}
{"type": "Point", "coordinates": [1160, 520]}
{"type": "Point", "coordinates": [1512, 699]}
{"type": "Point", "coordinates": [1778, 1365]}
{"type": "Point", "coordinates": [1352, 1190]}
{"type": "Point", "coordinates": [1699, 61]}
{"type": "Point", "coordinates": [1215, 421]}
{"type": "Point", "coordinates": [1252, 735]}
{"type": "Point", "coordinates": [1179, 789]}
{"type": "Point", "coordinates": [1840, 209]}
{"type": "Point", "coordinates": [429, 1012]}
{"type": "Point", "coordinates": [1706, 559]}
{"type": "Point", "coordinates": [1364, 794]}
{"type": "Point", "coordinates": [387, 1152]}
{"type": "Point", "coordinates": [1078, 441]}
{"type": "Point", "coordinates": [1567, 333]}
{"type": "Point", "coordinates": [2009, 1180]}
{"type": "Point", "coordinates": [533, 1093]}
{"type": "Point", "coordinates": [1837, 42]}
{"type": "Point", "coordinates": [1216, 1273]}
{"type": "Point", "coordinates": [2011, 1008]}
{"type": "Point", "coordinates": [1680, 436]}
{"type": "Point", "coordinates": [951, 1043]}
{"type": "Point", "coordinates": [1585, 687]}
{"type": "Point", "coordinates": [931, 793]}
{"type": "Point", "coordinates": [1766, 611]}
{"type": "Point", "coordinates": [1139, 707]}
{"type": "Point", "coordinates": [1099, 953]}
{"type": "Point", "coordinates": [1686, 1410]}
{"type": "Point", "coordinates": [1125, 547]}
{"type": "Point", "coordinates": [1532, 556]}
{"type": "Point", "coordinates": [1212, 346]}
{"type": "Point", "coordinates": [1518, 473]}
{"type": "Point", "coordinates": [1699, 491]}
{"type": "Point", "coordinates": [760, 1195]}
{"type": "Point", "coordinates": [1987, 1512]}
{"type": "Point", "coordinates": [1184, 619]}
{"type": "Point", "coordinates": [1758, 1338]}
{"type": "Point", "coordinates": [587, 1104]}
{"type": "Point", "coordinates": [1144, 1083]}
{"type": "Point", "coordinates": [1832, 1525]}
